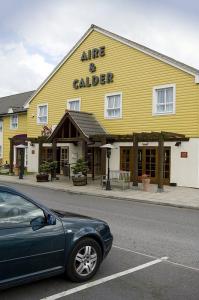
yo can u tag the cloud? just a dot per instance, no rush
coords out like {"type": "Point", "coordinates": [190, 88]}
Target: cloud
{"type": "Point", "coordinates": [40, 33]}
{"type": "Point", "coordinates": [21, 71]}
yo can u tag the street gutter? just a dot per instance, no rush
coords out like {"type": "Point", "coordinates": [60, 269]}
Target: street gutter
{"type": "Point", "coordinates": [112, 197]}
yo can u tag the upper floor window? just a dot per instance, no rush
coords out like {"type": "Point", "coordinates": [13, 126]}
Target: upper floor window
{"type": "Point", "coordinates": [13, 121]}
{"type": "Point", "coordinates": [113, 106]}
{"type": "Point", "coordinates": [73, 104]}
{"type": "Point", "coordinates": [42, 114]}
{"type": "Point", "coordinates": [1, 125]}
{"type": "Point", "coordinates": [164, 99]}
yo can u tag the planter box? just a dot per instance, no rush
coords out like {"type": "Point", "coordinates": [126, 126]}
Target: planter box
{"type": "Point", "coordinates": [42, 177]}
{"type": "Point", "coordinates": [79, 181]}
{"type": "Point", "coordinates": [146, 184]}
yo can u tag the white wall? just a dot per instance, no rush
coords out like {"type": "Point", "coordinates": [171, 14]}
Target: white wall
{"type": "Point", "coordinates": [75, 152]}
{"type": "Point", "coordinates": [184, 171]}
{"type": "Point", "coordinates": [33, 154]}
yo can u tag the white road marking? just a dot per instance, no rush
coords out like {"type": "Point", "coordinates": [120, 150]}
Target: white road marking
{"type": "Point", "coordinates": [147, 255]}
{"type": "Point", "coordinates": [136, 252]}
{"type": "Point", "coordinates": [181, 265]}
{"type": "Point", "coordinates": [105, 279]}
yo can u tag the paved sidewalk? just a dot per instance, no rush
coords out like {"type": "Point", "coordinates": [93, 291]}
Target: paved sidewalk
{"type": "Point", "coordinates": [172, 196]}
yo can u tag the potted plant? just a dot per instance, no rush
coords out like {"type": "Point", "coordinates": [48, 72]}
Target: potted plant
{"type": "Point", "coordinates": [80, 172]}
{"type": "Point", "coordinates": [146, 182]}
{"type": "Point", "coordinates": [43, 175]}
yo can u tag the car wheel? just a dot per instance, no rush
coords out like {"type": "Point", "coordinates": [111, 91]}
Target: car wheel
{"type": "Point", "coordinates": [84, 260]}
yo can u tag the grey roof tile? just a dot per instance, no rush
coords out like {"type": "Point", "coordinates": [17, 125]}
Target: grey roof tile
{"type": "Point", "coordinates": [15, 102]}
{"type": "Point", "coordinates": [87, 123]}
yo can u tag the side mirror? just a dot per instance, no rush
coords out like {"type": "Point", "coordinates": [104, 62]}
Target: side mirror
{"type": "Point", "coordinates": [38, 223]}
{"type": "Point", "coordinates": [51, 220]}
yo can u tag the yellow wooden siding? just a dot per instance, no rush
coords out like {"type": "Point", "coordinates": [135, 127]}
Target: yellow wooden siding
{"type": "Point", "coordinates": [135, 75]}
{"type": "Point", "coordinates": [8, 133]}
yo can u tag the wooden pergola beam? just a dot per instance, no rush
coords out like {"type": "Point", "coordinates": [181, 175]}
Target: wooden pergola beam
{"type": "Point", "coordinates": [143, 137]}
{"type": "Point", "coordinates": [69, 140]}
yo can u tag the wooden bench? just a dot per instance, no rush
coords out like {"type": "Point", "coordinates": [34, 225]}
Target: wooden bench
{"type": "Point", "coordinates": [117, 177]}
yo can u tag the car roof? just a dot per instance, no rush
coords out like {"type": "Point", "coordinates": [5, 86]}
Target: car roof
{"type": "Point", "coordinates": [6, 188]}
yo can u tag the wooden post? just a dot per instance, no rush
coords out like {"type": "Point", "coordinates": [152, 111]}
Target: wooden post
{"type": "Point", "coordinates": [11, 155]}
{"type": "Point", "coordinates": [54, 148]}
{"type": "Point", "coordinates": [135, 161]}
{"type": "Point", "coordinates": [103, 158]}
{"type": "Point", "coordinates": [160, 163]}
{"type": "Point", "coordinates": [93, 163]}
{"type": "Point", "coordinates": [84, 150]}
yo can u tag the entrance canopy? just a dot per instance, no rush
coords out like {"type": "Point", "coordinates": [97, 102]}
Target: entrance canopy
{"type": "Point", "coordinates": [76, 126]}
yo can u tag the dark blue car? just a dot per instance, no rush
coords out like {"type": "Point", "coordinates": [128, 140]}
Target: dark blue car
{"type": "Point", "coordinates": [36, 242]}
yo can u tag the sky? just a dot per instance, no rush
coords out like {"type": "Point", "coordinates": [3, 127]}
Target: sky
{"type": "Point", "coordinates": [36, 34]}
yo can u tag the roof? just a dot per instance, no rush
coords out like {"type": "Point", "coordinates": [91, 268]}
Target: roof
{"type": "Point", "coordinates": [85, 122]}
{"type": "Point", "coordinates": [16, 102]}
{"type": "Point", "coordinates": [132, 44]}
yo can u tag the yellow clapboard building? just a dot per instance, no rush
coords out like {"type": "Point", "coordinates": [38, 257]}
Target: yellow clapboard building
{"type": "Point", "coordinates": [110, 90]}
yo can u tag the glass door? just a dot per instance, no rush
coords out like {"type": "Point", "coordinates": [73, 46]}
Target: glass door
{"type": "Point", "coordinates": [151, 163]}
{"type": "Point", "coordinates": [148, 163]}
{"type": "Point", "coordinates": [64, 158]}
{"type": "Point", "coordinates": [166, 166]}
{"type": "Point", "coordinates": [126, 159]}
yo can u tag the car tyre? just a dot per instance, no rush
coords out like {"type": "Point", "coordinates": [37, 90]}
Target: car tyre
{"type": "Point", "coordinates": [84, 260]}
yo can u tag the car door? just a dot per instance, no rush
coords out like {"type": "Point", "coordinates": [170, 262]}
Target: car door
{"type": "Point", "coordinates": [26, 250]}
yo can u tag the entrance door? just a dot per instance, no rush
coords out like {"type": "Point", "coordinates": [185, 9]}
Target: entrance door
{"type": "Point", "coordinates": [64, 157]}
{"type": "Point", "coordinates": [126, 159]}
{"type": "Point", "coordinates": [94, 160]}
{"type": "Point", "coordinates": [148, 163]}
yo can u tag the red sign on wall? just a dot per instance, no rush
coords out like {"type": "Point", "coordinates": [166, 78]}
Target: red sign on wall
{"type": "Point", "coordinates": [184, 154]}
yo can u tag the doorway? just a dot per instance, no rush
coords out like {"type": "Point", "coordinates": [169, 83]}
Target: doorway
{"type": "Point", "coordinates": [64, 158]}
{"type": "Point", "coordinates": [147, 162]}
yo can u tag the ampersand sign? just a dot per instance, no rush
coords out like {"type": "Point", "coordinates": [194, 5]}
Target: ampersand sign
{"type": "Point", "coordinates": [92, 67]}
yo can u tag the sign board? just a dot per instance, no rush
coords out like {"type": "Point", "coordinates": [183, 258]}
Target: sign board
{"type": "Point", "coordinates": [183, 154]}
{"type": "Point", "coordinates": [94, 80]}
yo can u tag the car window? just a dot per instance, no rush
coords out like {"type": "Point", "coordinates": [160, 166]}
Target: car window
{"type": "Point", "coordinates": [15, 210]}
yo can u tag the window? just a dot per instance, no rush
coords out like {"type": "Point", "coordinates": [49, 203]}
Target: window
{"type": "Point", "coordinates": [73, 104]}
{"type": "Point", "coordinates": [164, 100]}
{"type": "Point", "coordinates": [42, 114]}
{"type": "Point", "coordinates": [113, 106]}
{"type": "Point", "coordinates": [1, 125]}
{"type": "Point", "coordinates": [15, 210]}
{"type": "Point", "coordinates": [14, 122]}
{"type": "Point", "coordinates": [0, 151]}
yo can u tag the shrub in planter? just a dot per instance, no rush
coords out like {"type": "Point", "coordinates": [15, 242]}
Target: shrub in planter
{"type": "Point", "coordinates": [45, 169]}
{"type": "Point", "coordinates": [80, 170]}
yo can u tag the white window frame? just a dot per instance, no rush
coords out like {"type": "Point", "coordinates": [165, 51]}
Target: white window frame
{"type": "Point", "coordinates": [106, 105]}
{"type": "Point", "coordinates": [38, 121]}
{"type": "Point", "coordinates": [11, 123]}
{"type": "Point", "coordinates": [72, 100]}
{"type": "Point", "coordinates": [154, 104]}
